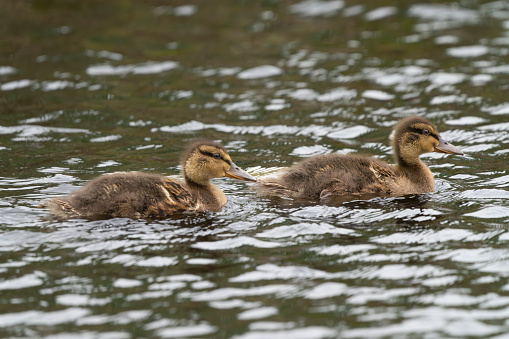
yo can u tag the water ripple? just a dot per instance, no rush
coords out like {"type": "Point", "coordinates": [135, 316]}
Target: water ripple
{"type": "Point", "coordinates": [260, 72]}
{"type": "Point", "coordinates": [312, 332]}
{"type": "Point", "coordinates": [143, 68]}
{"type": "Point", "coordinates": [236, 243]}
{"type": "Point", "coordinates": [424, 237]}
{"type": "Point", "coordinates": [68, 315]}
{"type": "Point", "coordinates": [274, 272]}
{"type": "Point", "coordinates": [230, 292]}
{"type": "Point", "coordinates": [314, 131]}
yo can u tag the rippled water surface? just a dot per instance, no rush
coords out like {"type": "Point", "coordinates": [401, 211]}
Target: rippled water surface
{"type": "Point", "coordinates": [96, 87]}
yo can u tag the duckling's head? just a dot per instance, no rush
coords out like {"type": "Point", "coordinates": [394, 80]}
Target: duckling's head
{"type": "Point", "coordinates": [414, 136]}
{"type": "Point", "coordinates": [205, 160]}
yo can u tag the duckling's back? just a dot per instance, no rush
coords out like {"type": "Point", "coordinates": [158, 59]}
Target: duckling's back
{"type": "Point", "coordinates": [131, 195]}
{"type": "Point", "coordinates": [334, 174]}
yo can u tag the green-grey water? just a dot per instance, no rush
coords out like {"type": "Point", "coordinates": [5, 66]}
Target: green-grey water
{"type": "Point", "coordinates": [93, 87]}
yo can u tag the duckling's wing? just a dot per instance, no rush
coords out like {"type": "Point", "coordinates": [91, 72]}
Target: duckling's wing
{"type": "Point", "coordinates": [340, 175]}
{"type": "Point", "coordinates": [179, 193]}
{"type": "Point", "coordinates": [176, 198]}
{"type": "Point", "coordinates": [382, 173]}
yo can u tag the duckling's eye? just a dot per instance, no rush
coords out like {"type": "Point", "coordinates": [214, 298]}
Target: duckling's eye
{"type": "Point", "coordinates": [426, 132]}
{"type": "Point", "coordinates": [216, 156]}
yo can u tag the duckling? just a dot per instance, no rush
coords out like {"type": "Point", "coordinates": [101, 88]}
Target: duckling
{"type": "Point", "coordinates": [338, 175]}
{"type": "Point", "coordinates": [143, 195]}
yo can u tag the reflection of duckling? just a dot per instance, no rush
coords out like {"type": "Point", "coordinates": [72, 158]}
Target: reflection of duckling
{"type": "Point", "coordinates": [140, 195]}
{"type": "Point", "coordinates": [337, 175]}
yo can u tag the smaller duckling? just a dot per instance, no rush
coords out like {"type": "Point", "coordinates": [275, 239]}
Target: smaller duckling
{"type": "Point", "coordinates": [144, 195]}
{"type": "Point", "coordinates": [343, 176]}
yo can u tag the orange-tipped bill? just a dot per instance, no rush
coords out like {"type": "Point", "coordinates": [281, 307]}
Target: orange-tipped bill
{"type": "Point", "coordinates": [445, 147]}
{"type": "Point", "coordinates": [236, 172]}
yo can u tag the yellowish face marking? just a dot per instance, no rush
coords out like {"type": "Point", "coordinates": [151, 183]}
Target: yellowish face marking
{"type": "Point", "coordinates": [207, 162]}
{"type": "Point", "coordinates": [426, 142]}
{"type": "Point", "coordinates": [418, 138]}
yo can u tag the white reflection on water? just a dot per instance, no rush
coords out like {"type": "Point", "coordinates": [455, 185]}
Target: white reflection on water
{"type": "Point", "coordinates": [493, 212]}
{"type": "Point", "coordinates": [314, 131]}
{"type": "Point", "coordinates": [326, 290]}
{"type": "Point", "coordinates": [12, 85]}
{"type": "Point", "coordinates": [235, 243]}
{"type": "Point", "coordinates": [301, 229]}
{"type": "Point", "coordinates": [32, 132]}
{"type": "Point", "coordinates": [259, 72]}
{"type": "Point", "coordinates": [467, 51]}
{"type": "Point", "coordinates": [26, 281]}
{"type": "Point", "coordinates": [43, 318]}
{"type": "Point", "coordinates": [309, 151]}
{"type": "Point", "coordinates": [381, 13]}
{"type": "Point", "coordinates": [187, 331]}
{"type": "Point", "coordinates": [466, 121]}
{"type": "Point", "coordinates": [438, 12]}
{"type": "Point", "coordinates": [6, 70]}
{"type": "Point", "coordinates": [317, 7]}
{"type": "Point", "coordinates": [273, 272]}
{"type": "Point", "coordinates": [143, 68]}
{"type": "Point", "coordinates": [126, 283]}
{"type": "Point", "coordinates": [312, 332]}
{"type": "Point", "coordinates": [377, 95]}
{"type": "Point", "coordinates": [280, 290]}
{"type": "Point", "coordinates": [340, 93]}
{"type": "Point", "coordinates": [258, 313]}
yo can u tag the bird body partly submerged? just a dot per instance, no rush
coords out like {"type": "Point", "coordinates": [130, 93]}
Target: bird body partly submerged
{"type": "Point", "coordinates": [339, 175]}
{"type": "Point", "coordinates": [144, 195]}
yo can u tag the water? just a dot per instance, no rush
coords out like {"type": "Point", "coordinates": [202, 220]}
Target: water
{"type": "Point", "coordinates": [87, 89]}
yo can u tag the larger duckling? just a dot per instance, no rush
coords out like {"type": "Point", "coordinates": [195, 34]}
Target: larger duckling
{"type": "Point", "coordinates": [143, 195]}
{"type": "Point", "coordinates": [338, 175]}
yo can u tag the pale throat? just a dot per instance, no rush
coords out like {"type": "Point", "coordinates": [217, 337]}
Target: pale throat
{"type": "Point", "coordinates": [209, 196]}
{"type": "Point", "coordinates": [406, 156]}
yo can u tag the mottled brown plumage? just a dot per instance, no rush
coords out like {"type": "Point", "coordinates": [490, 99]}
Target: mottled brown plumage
{"type": "Point", "coordinates": [338, 175]}
{"type": "Point", "coordinates": [143, 195]}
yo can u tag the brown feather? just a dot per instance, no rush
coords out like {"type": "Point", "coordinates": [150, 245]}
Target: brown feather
{"type": "Point", "coordinates": [144, 195]}
{"type": "Point", "coordinates": [352, 175]}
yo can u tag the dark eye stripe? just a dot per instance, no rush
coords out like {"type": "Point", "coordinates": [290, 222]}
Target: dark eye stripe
{"type": "Point", "coordinates": [212, 156]}
{"type": "Point", "coordinates": [420, 131]}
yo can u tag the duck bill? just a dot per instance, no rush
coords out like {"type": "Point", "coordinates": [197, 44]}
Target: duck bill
{"type": "Point", "coordinates": [445, 147]}
{"type": "Point", "coordinates": [236, 172]}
